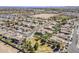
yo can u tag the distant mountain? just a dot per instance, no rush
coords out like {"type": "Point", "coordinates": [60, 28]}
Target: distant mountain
{"type": "Point", "coordinates": [70, 7]}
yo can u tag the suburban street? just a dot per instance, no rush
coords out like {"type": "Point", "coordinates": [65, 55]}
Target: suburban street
{"type": "Point", "coordinates": [73, 46]}
{"type": "Point", "coordinates": [30, 35]}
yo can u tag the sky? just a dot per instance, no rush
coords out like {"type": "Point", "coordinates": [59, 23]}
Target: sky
{"type": "Point", "coordinates": [39, 2]}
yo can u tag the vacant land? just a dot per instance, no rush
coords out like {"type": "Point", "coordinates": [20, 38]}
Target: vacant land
{"type": "Point", "coordinates": [44, 16]}
{"type": "Point", "coordinates": [4, 48]}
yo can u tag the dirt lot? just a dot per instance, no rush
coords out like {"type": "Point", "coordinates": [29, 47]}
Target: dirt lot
{"type": "Point", "coordinates": [44, 16]}
{"type": "Point", "coordinates": [7, 49]}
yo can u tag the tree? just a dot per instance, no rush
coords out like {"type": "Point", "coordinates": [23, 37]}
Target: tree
{"type": "Point", "coordinates": [1, 37]}
{"type": "Point", "coordinates": [57, 28]}
{"type": "Point", "coordinates": [27, 46]}
{"type": "Point", "coordinates": [36, 46]}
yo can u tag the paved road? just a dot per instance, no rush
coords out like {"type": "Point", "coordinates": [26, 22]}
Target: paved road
{"type": "Point", "coordinates": [73, 46]}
